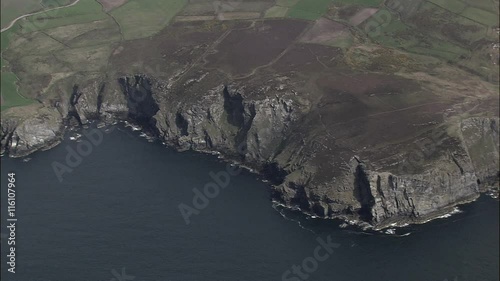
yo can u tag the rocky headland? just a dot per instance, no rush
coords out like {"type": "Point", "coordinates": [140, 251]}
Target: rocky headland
{"type": "Point", "coordinates": [336, 138]}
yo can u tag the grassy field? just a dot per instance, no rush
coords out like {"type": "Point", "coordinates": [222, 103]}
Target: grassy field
{"type": "Point", "coordinates": [287, 3]}
{"type": "Point", "coordinates": [142, 18]}
{"type": "Point", "coordinates": [11, 9]}
{"type": "Point", "coordinates": [482, 16]}
{"type": "Point", "coordinates": [456, 31]}
{"type": "Point", "coordinates": [309, 10]}
{"type": "Point", "coordinates": [55, 3]}
{"type": "Point", "coordinates": [73, 41]}
{"type": "Point", "coordinates": [481, 11]}
{"type": "Point", "coordinates": [7, 35]}
{"type": "Point", "coordinates": [276, 12]}
{"type": "Point", "coordinates": [491, 6]}
{"type": "Point", "coordinates": [83, 12]}
{"type": "Point", "coordinates": [397, 34]}
{"type": "Point", "coordinates": [83, 34]}
{"type": "Point", "coordinates": [364, 3]}
{"type": "Point", "coordinates": [312, 10]}
{"type": "Point", "coordinates": [10, 96]}
{"type": "Point", "coordinates": [455, 6]}
{"type": "Point", "coordinates": [24, 39]}
{"type": "Point", "coordinates": [459, 29]}
{"type": "Point", "coordinates": [9, 90]}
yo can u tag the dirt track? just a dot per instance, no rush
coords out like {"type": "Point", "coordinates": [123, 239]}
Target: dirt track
{"type": "Point", "coordinates": [36, 13]}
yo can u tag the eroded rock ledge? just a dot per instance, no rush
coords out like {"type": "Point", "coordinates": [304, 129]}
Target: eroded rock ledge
{"type": "Point", "coordinates": [325, 164]}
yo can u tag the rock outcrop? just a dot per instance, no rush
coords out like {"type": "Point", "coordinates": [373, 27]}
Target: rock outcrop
{"type": "Point", "coordinates": [30, 130]}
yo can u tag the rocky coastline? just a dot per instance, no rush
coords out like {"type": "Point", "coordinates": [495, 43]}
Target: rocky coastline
{"type": "Point", "coordinates": [271, 129]}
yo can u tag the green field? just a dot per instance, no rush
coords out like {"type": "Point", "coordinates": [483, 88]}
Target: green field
{"type": "Point", "coordinates": [11, 9]}
{"type": "Point", "coordinates": [459, 30]}
{"type": "Point", "coordinates": [10, 95]}
{"type": "Point", "coordinates": [276, 12]}
{"type": "Point", "coordinates": [7, 35]}
{"type": "Point", "coordinates": [491, 6]}
{"type": "Point", "coordinates": [455, 6]}
{"type": "Point", "coordinates": [364, 3]}
{"type": "Point", "coordinates": [81, 35]}
{"type": "Point", "coordinates": [482, 16]}
{"type": "Point", "coordinates": [24, 39]}
{"type": "Point", "coordinates": [83, 12]}
{"type": "Point", "coordinates": [9, 91]}
{"type": "Point", "coordinates": [72, 41]}
{"type": "Point", "coordinates": [481, 11]}
{"type": "Point", "coordinates": [286, 3]}
{"type": "Point", "coordinates": [397, 34]}
{"type": "Point", "coordinates": [312, 10]}
{"type": "Point", "coordinates": [440, 49]}
{"type": "Point", "coordinates": [455, 31]}
{"type": "Point", "coordinates": [55, 3]}
{"type": "Point", "coordinates": [309, 10]}
{"type": "Point", "coordinates": [142, 18]}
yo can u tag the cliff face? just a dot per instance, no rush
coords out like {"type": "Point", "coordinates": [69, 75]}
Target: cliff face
{"type": "Point", "coordinates": [471, 166]}
{"type": "Point", "coordinates": [416, 198]}
{"type": "Point", "coordinates": [27, 132]}
{"type": "Point", "coordinates": [382, 197]}
{"type": "Point", "coordinates": [480, 137]}
{"type": "Point", "coordinates": [224, 120]}
{"type": "Point", "coordinates": [315, 162]}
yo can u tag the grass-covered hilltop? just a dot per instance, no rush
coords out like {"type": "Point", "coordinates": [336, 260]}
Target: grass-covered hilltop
{"type": "Point", "coordinates": [377, 111]}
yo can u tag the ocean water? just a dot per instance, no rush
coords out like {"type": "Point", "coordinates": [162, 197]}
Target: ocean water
{"type": "Point", "coordinates": [116, 216]}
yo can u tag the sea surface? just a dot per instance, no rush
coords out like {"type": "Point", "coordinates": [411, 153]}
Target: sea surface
{"type": "Point", "coordinates": [116, 217]}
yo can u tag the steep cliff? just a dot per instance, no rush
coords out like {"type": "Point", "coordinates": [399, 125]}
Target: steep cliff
{"type": "Point", "coordinates": [323, 166]}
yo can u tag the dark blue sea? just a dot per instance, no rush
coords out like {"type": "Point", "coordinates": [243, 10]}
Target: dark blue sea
{"type": "Point", "coordinates": [115, 216]}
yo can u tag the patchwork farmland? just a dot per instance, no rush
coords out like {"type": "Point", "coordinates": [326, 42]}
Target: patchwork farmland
{"type": "Point", "coordinates": [46, 51]}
